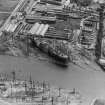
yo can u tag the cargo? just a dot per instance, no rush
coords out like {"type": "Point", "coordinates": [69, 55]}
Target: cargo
{"type": "Point", "coordinates": [44, 30]}
{"type": "Point", "coordinates": [22, 27]}
{"type": "Point", "coordinates": [12, 27]}
{"type": "Point", "coordinates": [29, 27]}
{"type": "Point", "coordinates": [18, 28]}
{"type": "Point", "coordinates": [32, 13]}
{"type": "Point", "coordinates": [34, 28]}
{"type": "Point", "coordinates": [35, 17]}
{"type": "Point", "coordinates": [26, 26]}
{"type": "Point", "coordinates": [9, 28]}
{"type": "Point", "coordinates": [39, 29]}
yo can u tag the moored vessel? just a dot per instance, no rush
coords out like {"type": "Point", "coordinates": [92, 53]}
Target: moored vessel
{"type": "Point", "coordinates": [58, 53]}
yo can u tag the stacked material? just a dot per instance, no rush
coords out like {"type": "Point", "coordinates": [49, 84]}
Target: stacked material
{"type": "Point", "coordinates": [44, 30]}
{"type": "Point", "coordinates": [39, 29]}
{"type": "Point", "coordinates": [53, 33]}
{"type": "Point", "coordinates": [11, 27]}
{"type": "Point", "coordinates": [34, 28]}
{"type": "Point", "coordinates": [46, 18]}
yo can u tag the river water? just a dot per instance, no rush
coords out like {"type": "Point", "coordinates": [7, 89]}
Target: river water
{"type": "Point", "coordinates": [90, 83]}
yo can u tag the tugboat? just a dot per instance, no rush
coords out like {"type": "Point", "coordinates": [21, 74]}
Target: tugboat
{"type": "Point", "coordinates": [55, 52]}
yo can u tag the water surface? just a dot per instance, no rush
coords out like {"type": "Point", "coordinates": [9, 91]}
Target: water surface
{"type": "Point", "coordinates": [89, 82]}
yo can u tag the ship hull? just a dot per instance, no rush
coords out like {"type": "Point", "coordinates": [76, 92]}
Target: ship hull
{"type": "Point", "coordinates": [58, 59]}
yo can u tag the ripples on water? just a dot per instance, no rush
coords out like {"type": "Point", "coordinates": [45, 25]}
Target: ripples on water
{"type": "Point", "coordinates": [41, 56]}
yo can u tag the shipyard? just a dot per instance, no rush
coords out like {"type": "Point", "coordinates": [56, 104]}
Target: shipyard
{"type": "Point", "coordinates": [52, 52]}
